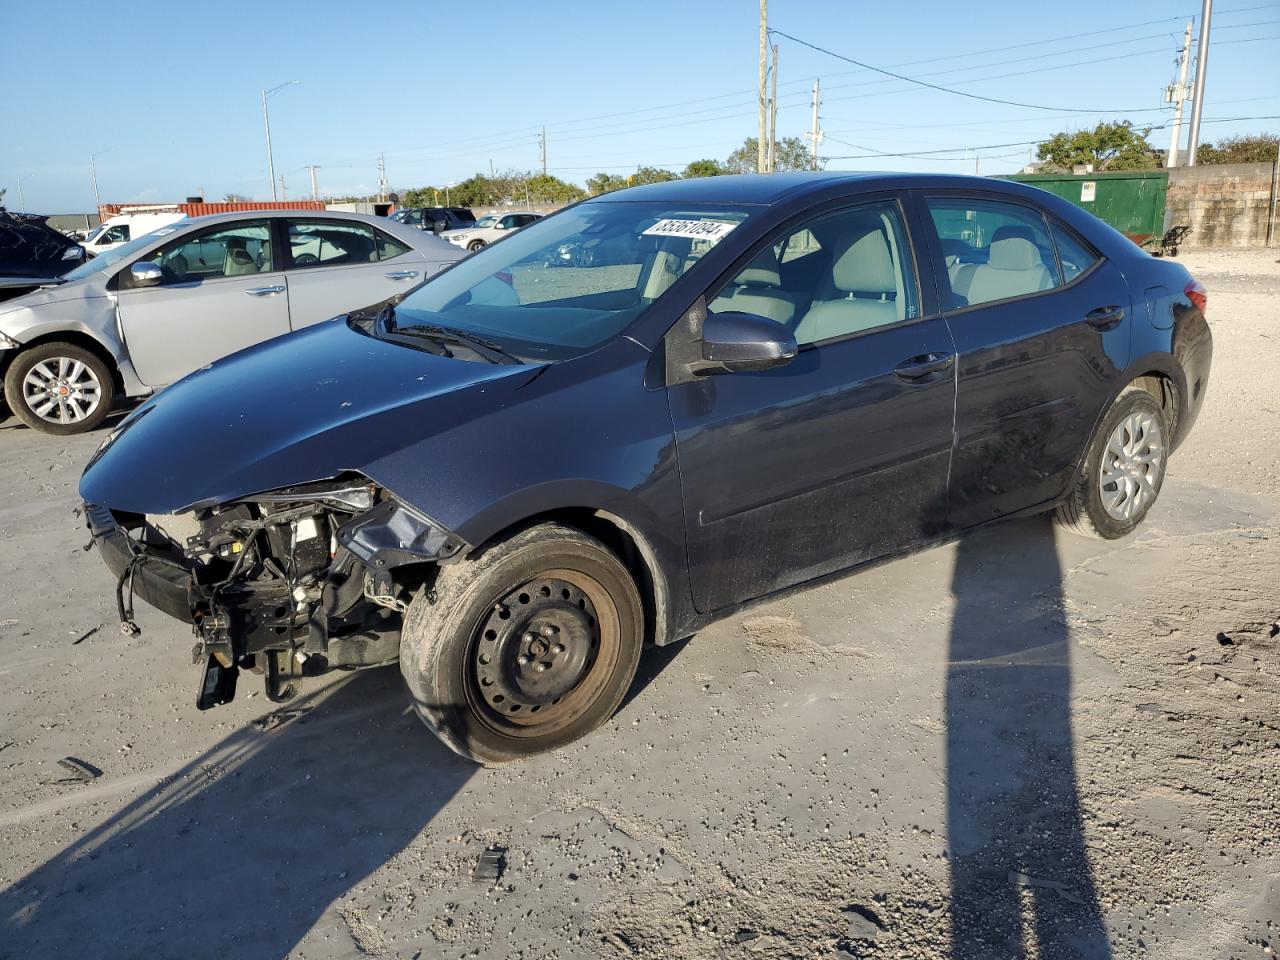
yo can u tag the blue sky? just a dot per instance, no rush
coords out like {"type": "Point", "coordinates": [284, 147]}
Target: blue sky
{"type": "Point", "coordinates": [171, 91]}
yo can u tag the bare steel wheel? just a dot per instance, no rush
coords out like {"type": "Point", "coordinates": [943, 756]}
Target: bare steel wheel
{"type": "Point", "coordinates": [1123, 469]}
{"type": "Point", "coordinates": [59, 388]}
{"type": "Point", "coordinates": [527, 646]}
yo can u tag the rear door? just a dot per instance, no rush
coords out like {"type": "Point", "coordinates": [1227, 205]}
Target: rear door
{"type": "Point", "coordinates": [841, 455]}
{"type": "Point", "coordinates": [222, 291]}
{"type": "Point", "coordinates": [339, 265]}
{"type": "Point", "coordinates": [1040, 321]}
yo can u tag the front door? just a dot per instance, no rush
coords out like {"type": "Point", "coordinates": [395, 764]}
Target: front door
{"type": "Point", "coordinates": [841, 455]}
{"type": "Point", "coordinates": [1041, 327]}
{"type": "Point", "coordinates": [221, 291]}
{"type": "Point", "coordinates": [340, 265]}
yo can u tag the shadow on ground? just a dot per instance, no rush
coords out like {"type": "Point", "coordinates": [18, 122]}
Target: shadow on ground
{"type": "Point", "coordinates": [238, 853]}
{"type": "Point", "coordinates": [1019, 870]}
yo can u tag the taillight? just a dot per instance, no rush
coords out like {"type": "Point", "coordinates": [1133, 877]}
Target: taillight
{"type": "Point", "coordinates": [1197, 294]}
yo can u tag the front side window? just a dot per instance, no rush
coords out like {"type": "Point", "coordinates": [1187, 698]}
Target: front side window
{"type": "Point", "coordinates": [570, 282]}
{"type": "Point", "coordinates": [839, 274]}
{"type": "Point", "coordinates": [330, 243]}
{"type": "Point", "coordinates": [117, 234]}
{"type": "Point", "coordinates": [993, 250]}
{"type": "Point", "coordinates": [232, 250]}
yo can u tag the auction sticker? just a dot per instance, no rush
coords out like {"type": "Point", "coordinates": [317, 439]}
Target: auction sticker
{"type": "Point", "coordinates": [712, 230]}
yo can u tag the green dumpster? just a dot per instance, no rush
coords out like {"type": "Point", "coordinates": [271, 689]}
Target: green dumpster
{"type": "Point", "coordinates": [1132, 201]}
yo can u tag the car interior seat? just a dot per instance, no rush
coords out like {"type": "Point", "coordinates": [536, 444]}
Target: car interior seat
{"type": "Point", "coordinates": [238, 261]}
{"type": "Point", "coordinates": [864, 274]}
{"type": "Point", "coordinates": [1015, 268]}
{"type": "Point", "coordinates": [758, 290]}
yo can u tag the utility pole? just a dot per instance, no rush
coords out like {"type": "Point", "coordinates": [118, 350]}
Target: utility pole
{"type": "Point", "coordinates": [773, 113]}
{"type": "Point", "coordinates": [1177, 94]}
{"type": "Point", "coordinates": [93, 169]}
{"type": "Point", "coordinates": [542, 150]}
{"type": "Point", "coordinates": [315, 194]}
{"type": "Point", "coordinates": [814, 136]}
{"type": "Point", "coordinates": [382, 178]}
{"type": "Point", "coordinates": [492, 172]}
{"type": "Point", "coordinates": [284, 190]}
{"type": "Point", "coordinates": [22, 198]}
{"type": "Point", "coordinates": [762, 157]}
{"type": "Point", "coordinates": [266, 123]}
{"type": "Point", "coordinates": [1202, 62]}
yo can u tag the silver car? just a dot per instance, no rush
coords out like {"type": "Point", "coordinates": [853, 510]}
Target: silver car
{"type": "Point", "coordinates": [144, 315]}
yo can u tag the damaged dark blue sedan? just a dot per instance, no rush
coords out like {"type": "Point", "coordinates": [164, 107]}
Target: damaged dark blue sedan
{"type": "Point", "coordinates": [533, 464]}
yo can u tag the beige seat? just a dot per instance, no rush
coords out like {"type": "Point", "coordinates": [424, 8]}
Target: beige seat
{"type": "Point", "coordinates": [758, 290]}
{"type": "Point", "coordinates": [864, 273]}
{"type": "Point", "coordinates": [238, 262]}
{"type": "Point", "coordinates": [1014, 269]}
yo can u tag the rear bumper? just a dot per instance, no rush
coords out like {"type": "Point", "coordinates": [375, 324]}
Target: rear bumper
{"type": "Point", "coordinates": [162, 584]}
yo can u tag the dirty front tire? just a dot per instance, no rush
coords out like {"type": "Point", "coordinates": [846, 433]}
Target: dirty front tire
{"type": "Point", "coordinates": [524, 648]}
{"type": "Point", "coordinates": [84, 374]}
{"type": "Point", "coordinates": [1123, 469]}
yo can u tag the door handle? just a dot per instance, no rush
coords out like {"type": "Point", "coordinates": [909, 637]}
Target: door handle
{"type": "Point", "coordinates": [925, 365]}
{"type": "Point", "coordinates": [401, 275]}
{"type": "Point", "coordinates": [266, 291]}
{"type": "Point", "coordinates": [1104, 318]}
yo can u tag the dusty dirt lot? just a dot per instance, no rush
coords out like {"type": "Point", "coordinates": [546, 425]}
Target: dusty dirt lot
{"type": "Point", "coordinates": [1023, 744]}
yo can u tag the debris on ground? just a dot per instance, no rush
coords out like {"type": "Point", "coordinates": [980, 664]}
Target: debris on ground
{"type": "Point", "coordinates": [1019, 879]}
{"type": "Point", "coordinates": [81, 772]}
{"type": "Point", "coordinates": [491, 863]}
{"type": "Point", "coordinates": [864, 923]}
{"type": "Point", "coordinates": [86, 635]}
{"type": "Point", "coordinates": [278, 718]}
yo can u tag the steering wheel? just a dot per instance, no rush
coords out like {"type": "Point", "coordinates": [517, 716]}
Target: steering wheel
{"type": "Point", "coordinates": [305, 260]}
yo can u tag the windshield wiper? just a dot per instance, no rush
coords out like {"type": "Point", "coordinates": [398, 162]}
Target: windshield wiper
{"type": "Point", "coordinates": [444, 335]}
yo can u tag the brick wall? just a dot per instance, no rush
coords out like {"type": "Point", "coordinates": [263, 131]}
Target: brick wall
{"type": "Point", "coordinates": [1226, 205]}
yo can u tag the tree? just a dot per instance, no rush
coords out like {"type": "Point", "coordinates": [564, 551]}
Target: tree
{"type": "Point", "coordinates": [703, 168]}
{"type": "Point", "coordinates": [789, 153]}
{"type": "Point", "coordinates": [1256, 148]}
{"type": "Point", "coordinates": [235, 198]}
{"type": "Point", "coordinates": [604, 182]}
{"type": "Point", "coordinates": [650, 175]}
{"type": "Point", "coordinates": [1108, 146]}
{"type": "Point", "coordinates": [544, 188]}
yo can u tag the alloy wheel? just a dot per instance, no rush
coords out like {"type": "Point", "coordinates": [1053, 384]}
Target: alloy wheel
{"type": "Point", "coordinates": [1130, 466]}
{"type": "Point", "coordinates": [62, 390]}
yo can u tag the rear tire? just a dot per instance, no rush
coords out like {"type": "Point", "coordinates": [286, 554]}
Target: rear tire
{"type": "Point", "coordinates": [527, 647]}
{"type": "Point", "coordinates": [59, 388]}
{"type": "Point", "coordinates": [1123, 469]}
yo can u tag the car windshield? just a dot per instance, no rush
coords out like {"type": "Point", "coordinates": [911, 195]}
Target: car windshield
{"type": "Point", "coordinates": [568, 283]}
{"type": "Point", "coordinates": [110, 258]}
{"type": "Point", "coordinates": [484, 222]}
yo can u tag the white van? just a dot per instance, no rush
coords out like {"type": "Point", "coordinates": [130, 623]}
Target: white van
{"type": "Point", "coordinates": [124, 227]}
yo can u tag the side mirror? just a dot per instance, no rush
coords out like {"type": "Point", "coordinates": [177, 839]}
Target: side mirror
{"type": "Point", "coordinates": [146, 273]}
{"type": "Point", "coordinates": [499, 226]}
{"type": "Point", "coordinates": [744, 341]}
{"type": "Point", "coordinates": [703, 342]}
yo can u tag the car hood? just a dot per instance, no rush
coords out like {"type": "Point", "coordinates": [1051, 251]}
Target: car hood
{"type": "Point", "coordinates": [305, 406]}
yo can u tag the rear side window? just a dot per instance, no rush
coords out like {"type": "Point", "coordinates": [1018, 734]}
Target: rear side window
{"type": "Point", "coordinates": [1074, 256]}
{"type": "Point", "coordinates": [330, 243]}
{"type": "Point", "coordinates": [993, 250]}
{"type": "Point", "coordinates": [389, 248]}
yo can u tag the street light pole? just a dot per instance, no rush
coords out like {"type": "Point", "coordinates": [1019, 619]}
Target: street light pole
{"type": "Point", "coordinates": [1202, 63]}
{"type": "Point", "coordinates": [22, 199]}
{"type": "Point", "coordinates": [266, 123]}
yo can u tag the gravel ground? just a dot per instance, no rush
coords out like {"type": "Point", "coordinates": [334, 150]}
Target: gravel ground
{"type": "Point", "coordinates": [1023, 744]}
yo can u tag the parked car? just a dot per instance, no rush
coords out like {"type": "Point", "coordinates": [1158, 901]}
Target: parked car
{"type": "Point", "coordinates": [149, 312]}
{"type": "Point", "coordinates": [490, 228]}
{"type": "Point", "coordinates": [510, 492]}
{"type": "Point", "coordinates": [436, 219]}
{"type": "Point", "coordinates": [32, 252]}
{"type": "Point", "coordinates": [123, 227]}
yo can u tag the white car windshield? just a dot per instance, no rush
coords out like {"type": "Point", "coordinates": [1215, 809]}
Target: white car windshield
{"type": "Point", "coordinates": [571, 282]}
{"type": "Point", "coordinates": [110, 258]}
{"type": "Point", "coordinates": [485, 222]}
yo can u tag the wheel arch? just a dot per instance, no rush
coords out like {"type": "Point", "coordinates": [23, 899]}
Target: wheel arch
{"type": "Point", "coordinates": [75, 338]}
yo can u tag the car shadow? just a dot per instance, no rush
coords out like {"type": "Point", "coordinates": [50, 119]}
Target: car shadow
{"type": "Point", "coordinates": [240, 852]}
{"type": "Point", "coordinates": [1020, 875]}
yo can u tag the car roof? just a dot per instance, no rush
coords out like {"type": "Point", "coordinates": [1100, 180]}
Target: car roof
{"type": "Point", "coordinates": [216, 218]}
{"type": "Point", "coordinates": [773, 188]}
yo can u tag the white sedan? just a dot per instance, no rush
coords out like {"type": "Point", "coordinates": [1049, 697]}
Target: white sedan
{"type": "Point", "coordinates": [488, 229]}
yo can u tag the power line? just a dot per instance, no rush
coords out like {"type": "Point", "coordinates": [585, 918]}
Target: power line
{"type": "Point", "coordinates": [934, 86]}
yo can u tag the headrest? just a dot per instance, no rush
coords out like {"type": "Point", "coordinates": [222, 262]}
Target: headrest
{"type": "Point", "coordinates": [239, 255]}
{"type": "Point", "coordinates": [866, 267]}
{"type": "Point", "coordinates": [762, 271]}
{"type": "Point", "coordinates": [1014, 253]}
{"type": "Point", "coordinates": [1013, 230]}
